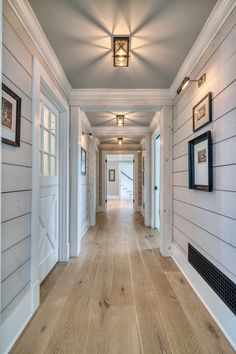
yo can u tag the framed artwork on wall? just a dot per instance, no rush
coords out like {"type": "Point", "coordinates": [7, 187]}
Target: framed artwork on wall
{"type": "Point", "coordinates": [112, 175]}
{"type": "Point", "coordinates": [202, 113]}
{"type": "Point", "coordinates": [11, 117]}
{"type": "Point", "coordinates": [83, 161]}
{"type": "Point", "coordinates": [200, 162]}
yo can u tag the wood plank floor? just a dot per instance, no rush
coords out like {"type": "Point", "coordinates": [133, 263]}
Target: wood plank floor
{"type": "Point", "coordinates": [120, 297]}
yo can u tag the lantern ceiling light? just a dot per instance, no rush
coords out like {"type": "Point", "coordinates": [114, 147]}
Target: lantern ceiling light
{"type": "Point", "coordinates": [121, 51]}
{"type": "Point", "coordinates": [120, 120]}
{"type": "Point", "coordinates": [120, 141]}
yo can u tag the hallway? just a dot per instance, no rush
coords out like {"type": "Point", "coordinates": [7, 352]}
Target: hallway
{"type": "Point", "coordinates": [120, 297]}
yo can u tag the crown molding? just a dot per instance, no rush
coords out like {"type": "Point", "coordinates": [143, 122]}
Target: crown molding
{"type": "Point", "coordinates": [124, 94]}
{"type": "Point", "coordinates": [215, 21]}
{"type": "Point", "coordinates": [119, 147]}
{"type": "Point", "coordinates": [120, 131]}
{"type": "Point", "coordinates": [26, 16]}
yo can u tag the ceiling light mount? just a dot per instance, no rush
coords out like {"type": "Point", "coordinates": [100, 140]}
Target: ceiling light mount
{"type": "Point", "coordinates": [120, 141]}
{"type": "Point", "coordinates": [186, 81]}
{"type": "Point", "coordinates": [121, 51]}
{"type": "Point", "coordinates": [120, 120]}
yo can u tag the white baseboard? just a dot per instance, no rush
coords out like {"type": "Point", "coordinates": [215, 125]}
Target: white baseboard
{"type": "Point", "coordinates": [113, 197]}
{"type": "Point", "coordinates": [35, 290]}
{"type": "Point", "coordinates": [11, 329]}
{"type": "Point", "coordinates": [223, 316]}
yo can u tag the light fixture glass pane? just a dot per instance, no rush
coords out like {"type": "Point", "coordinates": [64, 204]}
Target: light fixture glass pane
{"type": "Point", "coordinates": [53, 166]}
{"type": "Point", "coordinates": [53, 145]}
{"type": "Point", "coordinates": [46, 117]}
{"type": "Point", "coordinates": [121, 61]}
{"type": "Point", "coordinates": [53, 123]}
{"type": "Point", "coordinates": [45, 141]}
{"type": "Point", "coordinates": [45, 165]}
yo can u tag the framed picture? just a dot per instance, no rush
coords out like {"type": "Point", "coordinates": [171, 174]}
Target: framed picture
{"type": "Point", "coordinates": [112, 175]}
{"type": "Point", "coordinates": [11, 117]}
{"type": "Point", "coordinates": [202, 114]}
{"type": "Point", "coordinates": [83, 161]}
{"type": "Point", "coordinates": [200, 162]}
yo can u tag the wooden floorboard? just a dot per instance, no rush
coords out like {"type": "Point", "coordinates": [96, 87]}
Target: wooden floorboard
{"type": "Point", "coordinates": [120, 297]}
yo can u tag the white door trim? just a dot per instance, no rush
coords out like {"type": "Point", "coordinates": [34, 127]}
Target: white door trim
{"type": "Point", "coordinates": [43, 83]}
{"type": "Point", "coordinates": [155, 134]}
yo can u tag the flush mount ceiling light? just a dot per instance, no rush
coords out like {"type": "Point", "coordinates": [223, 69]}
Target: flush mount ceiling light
{"type": "Point", "coordinates": [121, 51]}
{"type": "Point", "coordinates": [120, 120]}
{"type": "Point", "coordinates": [186, 81]}
{"type": "Point", "coordinates": [120, 141]}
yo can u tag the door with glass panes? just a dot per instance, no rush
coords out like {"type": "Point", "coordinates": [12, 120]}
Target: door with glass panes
{"type": "Point", "coordinates": [49, 187]}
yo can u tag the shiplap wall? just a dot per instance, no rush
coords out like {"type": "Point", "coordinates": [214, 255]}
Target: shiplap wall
{"type": "Point", "coordinates": [208, 220]}
{"type": "Point", "coordinates": [16, 177]}
{"type": "Point", "coordinates": [18, 51]}
{"type": "Point", "coordinates": [85, 187]}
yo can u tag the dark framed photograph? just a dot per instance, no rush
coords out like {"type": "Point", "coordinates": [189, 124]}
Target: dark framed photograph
{"type": "Point", "coordinates": [200, 162]}
{"type": "Point", "coordinates": [83, 161]}
{"type": "Point", "coordinates": [202, 113]}
{"type": "Point", "coordinates": [11, 117]}
{"type": "Point", "coordinates": [112, 175]}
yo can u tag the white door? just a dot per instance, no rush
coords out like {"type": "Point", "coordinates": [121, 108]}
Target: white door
{"type": "Point", "coordinates": [157, 182]}
{"type": "Point", "coordinates": [49, 187]}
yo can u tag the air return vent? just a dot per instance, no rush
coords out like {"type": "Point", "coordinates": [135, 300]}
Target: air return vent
{"type": "Point", "coordinates": [222, 285]}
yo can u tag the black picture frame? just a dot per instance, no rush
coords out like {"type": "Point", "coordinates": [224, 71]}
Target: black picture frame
{"type": "Point", "coordinates": [204, 108]}
{"type": "Point", "coordinates": [83, 161]}
{"type": "Point", "coordinates": [205, 157]}
{"type": "Point", "coordinates": [7, 105]}
{"type": "Point", "coordinates": [112, 175]}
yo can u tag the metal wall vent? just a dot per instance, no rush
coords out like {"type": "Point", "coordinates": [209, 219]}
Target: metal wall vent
{"type": "Point", "coordinates": [224, 287]}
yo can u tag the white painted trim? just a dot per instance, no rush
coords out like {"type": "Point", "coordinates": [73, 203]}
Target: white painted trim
{"type": "Point", "coordinates": [155, 122]}
{"type": "Point", "coordinates": [121, 147]}
{"type": "Point", "coordinates": [75, 181]}
{"type": "Point", "coordinates": [113, 197]}
{"type": "Point", "coordinates": [225, 318]}
{"type": "Point", "coordinates": [30, 22]}
{"type": "Point", "coordinates": [155, 134]}
{"type": "Point", "coordinates": [215, 21]}
{"type": "Point", "coordinates": [41, 81]}
{"type": "Point", "coordinates": [120, 94]}
{"type": "Point", "coordinates": [124, 131]}
{"type": "Point", "coordinates": [166, 181]}
{"type": "Point", "coordinates": [15, 324]}
{"type": "Point", "coordinates": [0, 151]}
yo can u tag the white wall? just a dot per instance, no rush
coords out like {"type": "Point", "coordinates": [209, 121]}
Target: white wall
{"type": "Point", "coordinates": [208, 220]}
{"type": "Point", "coordinates": [16, 241]}
{"type": "Point", "coordinates": [113, 187]}
{"type": "Point", "coordinates": [85, 186]}
{"type": "Point", "coordinates": [16, 177]}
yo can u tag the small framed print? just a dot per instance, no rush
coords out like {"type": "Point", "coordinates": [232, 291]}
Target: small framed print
{"type": "Point", "coordinates": [200, 162]}
{"type": "Point", "coordinates": [112, 175]}
{"type": "Point", "coordinates": [83, 161]}
{"type": "Point", "coordinates": [202, 113]}
{"type": "Point", "coordinates": [11, 117]}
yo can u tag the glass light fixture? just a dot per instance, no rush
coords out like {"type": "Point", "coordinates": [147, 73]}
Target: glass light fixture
{"type": "Point", "coordinates": [120, 141]}
{"type": "Point", "coordinates": [186, 81]}
{"type": "Point", "coordinates": [120, 118]}
{"type": "Point", "coordinates": [121, 51]}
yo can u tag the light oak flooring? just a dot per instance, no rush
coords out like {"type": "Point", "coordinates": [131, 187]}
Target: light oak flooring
{"type": "Point", "coordinates": [120, 297]}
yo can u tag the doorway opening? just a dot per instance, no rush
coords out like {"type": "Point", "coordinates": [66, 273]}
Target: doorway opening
{"type": "Point", "coordinates": [157, 161]}
{"type": "Point", "coordinates": [120, 179]}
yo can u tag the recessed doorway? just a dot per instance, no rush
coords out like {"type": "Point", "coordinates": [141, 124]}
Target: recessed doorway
{"type": "Point", "coordinates": [120, 179]}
